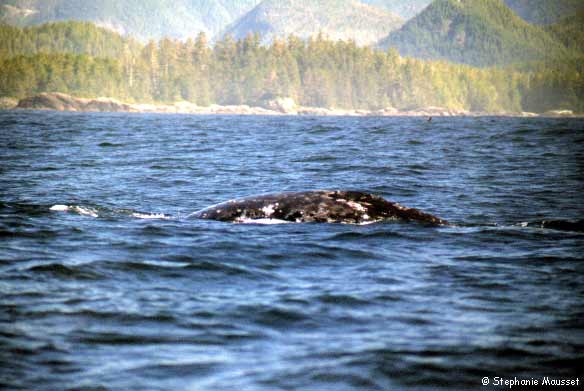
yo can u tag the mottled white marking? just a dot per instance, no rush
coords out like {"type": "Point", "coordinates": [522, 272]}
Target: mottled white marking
{"type": "Point", "coordinates": [268, 210]}
{"type": "Point", "coordinates": [84, 211]}
{"type": "Point", "coordinates": [356, 206]}
{"type": "Point", "coordinates": [400, 207]}
{"type": "Point", "coordinates": [75, 209]}
{"type": "Point", "coordinates": [153, 216]}
{"type": "Point", "coordinates": [261, 221]}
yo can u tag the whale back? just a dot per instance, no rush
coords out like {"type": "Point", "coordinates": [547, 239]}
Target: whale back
{"type": "Point", "coordinates": [321, 206]}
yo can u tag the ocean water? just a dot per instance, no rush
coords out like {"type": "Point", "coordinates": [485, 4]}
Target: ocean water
{"type": "Point", "coordinates": [107, 284]}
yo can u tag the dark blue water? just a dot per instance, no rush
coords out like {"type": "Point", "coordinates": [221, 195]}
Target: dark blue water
{"type": "Point", "coordinates": [124, 292]}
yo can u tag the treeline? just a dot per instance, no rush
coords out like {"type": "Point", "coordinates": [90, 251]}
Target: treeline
{"type": "Point", "coordinates": [79, 75]}
{"type": "Point", "coordinates": [317, 72]}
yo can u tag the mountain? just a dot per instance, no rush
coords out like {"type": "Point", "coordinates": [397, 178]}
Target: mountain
{"type": "Point", "coordinates": [405, 8]}
{"type": "Point", "coordinates": [336, 19]}
{"type": "Point", "coordinates": [544, 11]}
{"type": "Point", "coordinates": [153, 19]}
{"type": "Point", "coordinates": [532, 11]}
{"type": "Point", "coordinates": [570, 31]}
{"type": "Point", "coordinates": [144, 19]}
{"type": "Point", "coordinates": [475, 32]}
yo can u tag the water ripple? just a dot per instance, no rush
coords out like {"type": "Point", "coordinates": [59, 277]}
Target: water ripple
{"type": "Point", "coordinates": [106, 283]}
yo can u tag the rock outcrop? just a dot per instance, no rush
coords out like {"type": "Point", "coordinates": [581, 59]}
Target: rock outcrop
{"type": "Point", "coordinates": [63, 102]}
{"type": "Point", "coordinates": [280, 104]}
{"type": "Point", "coordinates": [8, 103]}
{"type": "Point", "coordinates": [559, 113]}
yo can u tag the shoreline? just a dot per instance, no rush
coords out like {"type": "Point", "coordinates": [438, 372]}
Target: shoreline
{"type": "Point", "coordinates": [276, 107]}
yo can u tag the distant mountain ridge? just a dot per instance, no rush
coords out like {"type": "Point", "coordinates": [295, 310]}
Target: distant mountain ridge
{"type": "Point", "coordinates": [405, 8]}
{"type": "Point", "coordinates": [336, 19]}
{"type": "Point", "coordinates": [143, 19]}
{"type": "Point", "coordinates": [532, 11]}
{"type": "Point", "coordinates": [474, 32]}
{"type": "Point", "coordinates": [154, 19]}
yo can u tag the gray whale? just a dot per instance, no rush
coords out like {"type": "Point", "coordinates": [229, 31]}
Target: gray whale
{"type": "Point", "coordinates": [319, 206]}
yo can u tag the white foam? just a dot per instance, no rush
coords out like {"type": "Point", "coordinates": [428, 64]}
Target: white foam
{"type": "Point", "coordinates": [75, 209]}
{"type": "Point", "coordinates": [152, 216]}
{"type": "Point", "coordinates": [367, 222]}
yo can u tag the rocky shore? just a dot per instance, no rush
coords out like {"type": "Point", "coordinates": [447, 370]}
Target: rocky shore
{"type": "Point", "coordinates": [64, 102]}
{"type": "Point", "coordinates": [276, 106]}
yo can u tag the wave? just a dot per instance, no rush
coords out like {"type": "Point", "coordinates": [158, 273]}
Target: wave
{"type": "Point", "coordinates": [567, 225]}
{"type": "Point", "coordinates": [558, 225]}
{"type": "Point", "coordinates": [72, 272]}
{"type": "Point", "coordinates": [104, 212]}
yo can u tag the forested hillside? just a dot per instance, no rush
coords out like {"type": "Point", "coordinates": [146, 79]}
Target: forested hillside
{"type": "Point", "coordinates": [532, 11]}
{"type": "Point", "coordinates": [316, 72]}
{"type": "Point", "coordinates": [544, 11]}
{"type": "Point", "coordinates": [475, 32]}
{"type": "Point", "coordinates": [337, 19]}
{"type": "Point", "coordinates": [570, 31]}
{"type": "Point", "coordinates": [65, 37]}
{"type": "Point", "coordinates": [559, 83]}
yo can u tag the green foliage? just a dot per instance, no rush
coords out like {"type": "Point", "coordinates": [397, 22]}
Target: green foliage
{"type": "Point", "coordinates": [474, 32]}
{"type": "Point", "coordinates": [64, 37]}
{"type": "Point", "coordinates": [317, 72]}
{"type": "Point", "coordinates": [553, 85]}
{"type": "Point", "coordinates": [75, 74]}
